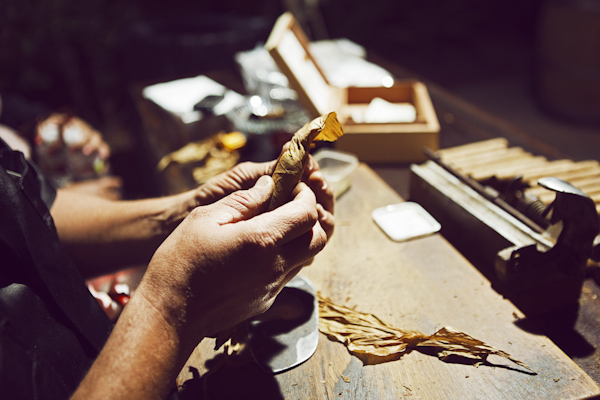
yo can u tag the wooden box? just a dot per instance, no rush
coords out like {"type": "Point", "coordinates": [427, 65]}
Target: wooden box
{"type": "Point", "coordinates": [371, 142]}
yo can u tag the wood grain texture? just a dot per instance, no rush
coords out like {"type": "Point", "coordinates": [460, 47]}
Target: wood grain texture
{"type": "Point", "coordinates": [423, 285]}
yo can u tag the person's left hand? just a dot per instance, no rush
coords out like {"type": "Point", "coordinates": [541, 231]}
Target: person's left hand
{"type": "Point", "coordinates": [243, 176]}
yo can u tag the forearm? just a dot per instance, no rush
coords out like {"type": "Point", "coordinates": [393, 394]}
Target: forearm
{"type": "Point", "coordinates": [224, 264]}
{"type": "Point", "coordinates": [101, 235]}
{"type": "Point", "coordinates": [142, 357]}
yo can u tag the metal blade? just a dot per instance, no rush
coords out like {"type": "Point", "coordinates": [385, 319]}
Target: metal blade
{"type": "Point", "coordinates": [288, 333]}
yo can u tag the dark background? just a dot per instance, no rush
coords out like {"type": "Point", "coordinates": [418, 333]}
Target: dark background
{"type": "Point", "coordinates": [85, 56]}
{"type": "Point", "coordinates": [82, 54]}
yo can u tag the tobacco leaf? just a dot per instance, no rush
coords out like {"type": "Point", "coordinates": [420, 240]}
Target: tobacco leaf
{"type": "Point", "coordinates": [291, 163]}
{"type": "Point", "coordinates": [218, 161]}
{"type": "Point", "coordinates": [191, 152]}
{"type": "Point", "coordinates": [218, 153]}
{"type": "Point", "coordinates": [375, 341]}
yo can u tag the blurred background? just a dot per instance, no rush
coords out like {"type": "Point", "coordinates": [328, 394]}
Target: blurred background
{"type": "Point", "coordinates": [532, 63]}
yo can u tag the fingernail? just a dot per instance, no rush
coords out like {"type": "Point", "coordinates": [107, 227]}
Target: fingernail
{"type": "Point", "coordinates": [264, 180]}
{"type": "Point", "coordinates": [321, 210]}
{"type": "Point", "coordinates": [325, 185]}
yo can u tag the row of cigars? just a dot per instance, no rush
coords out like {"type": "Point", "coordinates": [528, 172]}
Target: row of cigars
{"type": "Point", "coordinates": [495, 158]}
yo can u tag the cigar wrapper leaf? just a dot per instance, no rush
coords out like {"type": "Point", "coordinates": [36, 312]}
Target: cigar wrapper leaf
{"type": "Point", "coordinates": [292, 162]}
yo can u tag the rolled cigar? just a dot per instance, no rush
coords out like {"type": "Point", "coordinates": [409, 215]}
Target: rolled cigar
{"type": "Point", "coordinates": [292, 162]}
{"type": "Point", "coordinates": [472, 161]}
{"type": "Point", "coordinates": [473, 148]}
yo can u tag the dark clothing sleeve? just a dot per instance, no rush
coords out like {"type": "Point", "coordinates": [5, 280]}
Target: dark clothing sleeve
{"type": "Point", "coordinates": [51, 328]}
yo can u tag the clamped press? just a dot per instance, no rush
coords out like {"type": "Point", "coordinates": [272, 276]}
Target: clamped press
{"type": "Point", "coordinates": [538, 278]}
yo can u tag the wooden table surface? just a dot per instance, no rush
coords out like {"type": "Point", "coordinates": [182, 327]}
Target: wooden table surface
{"type": "Point", "coordinates": [423, 284]}
{"type": "Point", "coordinates": [462, 122]}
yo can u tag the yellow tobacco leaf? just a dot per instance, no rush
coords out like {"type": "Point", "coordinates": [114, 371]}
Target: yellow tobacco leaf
{"type": "Point", "coordinates": [217, 146]}
{"type": "Point", "coordinates": [292, 162]}
{"type": "Point", "coordinates": [331, 129]}
{"type": "Point", "coordinates": [191, 152]}
{"type": "Point", "coordinates": [374, 341]}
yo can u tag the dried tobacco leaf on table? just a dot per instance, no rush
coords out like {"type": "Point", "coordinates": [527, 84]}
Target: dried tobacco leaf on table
{"type": "Point", "coordinates": [374, 341]}
{"type": "Point", "coordinates": [290, 165]}
{"type": "Point", "coordinates": [218, 153]}
{"type": "Point", "coordinates": [219, 160]}
{"type": "Point", "coordinates": [191, 152]}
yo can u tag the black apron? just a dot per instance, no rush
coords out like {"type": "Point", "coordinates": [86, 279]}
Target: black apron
{"type": "Point", "coordinates": [51, 328]}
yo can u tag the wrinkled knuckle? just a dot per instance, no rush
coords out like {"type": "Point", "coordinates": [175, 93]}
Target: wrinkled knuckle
{"type": "Point", "coordinates": [244, 198]}
{"type": "Point", "coordinates": [197, 212]}
{"type": "Point", "coordinates": [268, 237]}
{"type": "Point", "coordinates": [259, 243]}
{"type": "Point", "coordinates": [328, 225]}
{"type": "Point", "coordinates": [242, 169]}
{"type": "Point", "coordinates": [311, 214]}
{"type": "Point", "coordinates": [244, 165]}
{"type": "Point", "coordinates": [320, 239]}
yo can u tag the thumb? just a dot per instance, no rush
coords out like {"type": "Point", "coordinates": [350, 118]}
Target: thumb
{"type": "Point", "coordinates": [245, 204]}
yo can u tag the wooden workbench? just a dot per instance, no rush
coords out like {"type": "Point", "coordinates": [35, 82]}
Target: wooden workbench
{"type": "Point", "coordinates": [462, 122]}
{"type": "Point", "coordinates": [423, 285]}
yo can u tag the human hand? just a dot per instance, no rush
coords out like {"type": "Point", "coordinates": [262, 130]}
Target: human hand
{"type": "Point", "coordinates": [75, 133]}
{"type": "Point", "coordinates": [225, 263]}
{"type": "Point", "coordinates": [241, 177]}
{"type": "Point", "coordinates": [245, 175]}
{"type": "Point", "coordinates": [323, 192]}
{"type": "Point", "coordinates": [228, 261]}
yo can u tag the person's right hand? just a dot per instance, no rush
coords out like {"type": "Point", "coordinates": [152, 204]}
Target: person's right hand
{"type": "Point", "coordinates": [227, 261]}
{"type": "Point", "coordinates": [224, 263]}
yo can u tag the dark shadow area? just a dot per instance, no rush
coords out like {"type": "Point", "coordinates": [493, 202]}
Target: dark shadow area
{"type": "Point", "coordinates": [573, 328]}
{"type": "Point", "coordinates": [449, 43]}
{"type": "Point", "coordinates": [203, 42]}
{"type": "Point", "coordinates": [457, 359]}
{"type": "Point", "coordinates": [249, 375]}
{"type": "Point", "coordinates": [559, 326]}
{"type": "Point", "coordinates": [88, 58]}
{"type": "Point", "coordinates": [231, 382]}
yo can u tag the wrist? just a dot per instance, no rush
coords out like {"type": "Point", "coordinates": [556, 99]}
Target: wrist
{"type": "Point", "coordinates": [174, 210]}
{"type": "Point", "coordinates": [170, 298]}
{"type": "Point", "coordinates": [143, 355]}
{"type": "Point", "coordinates": [167, 313]}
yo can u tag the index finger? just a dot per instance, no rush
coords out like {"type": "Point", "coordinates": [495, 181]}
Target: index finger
{"type": "Point", "coordinates": [294, 218]}
{"type": "Point", "coordinates": [319, 185]}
